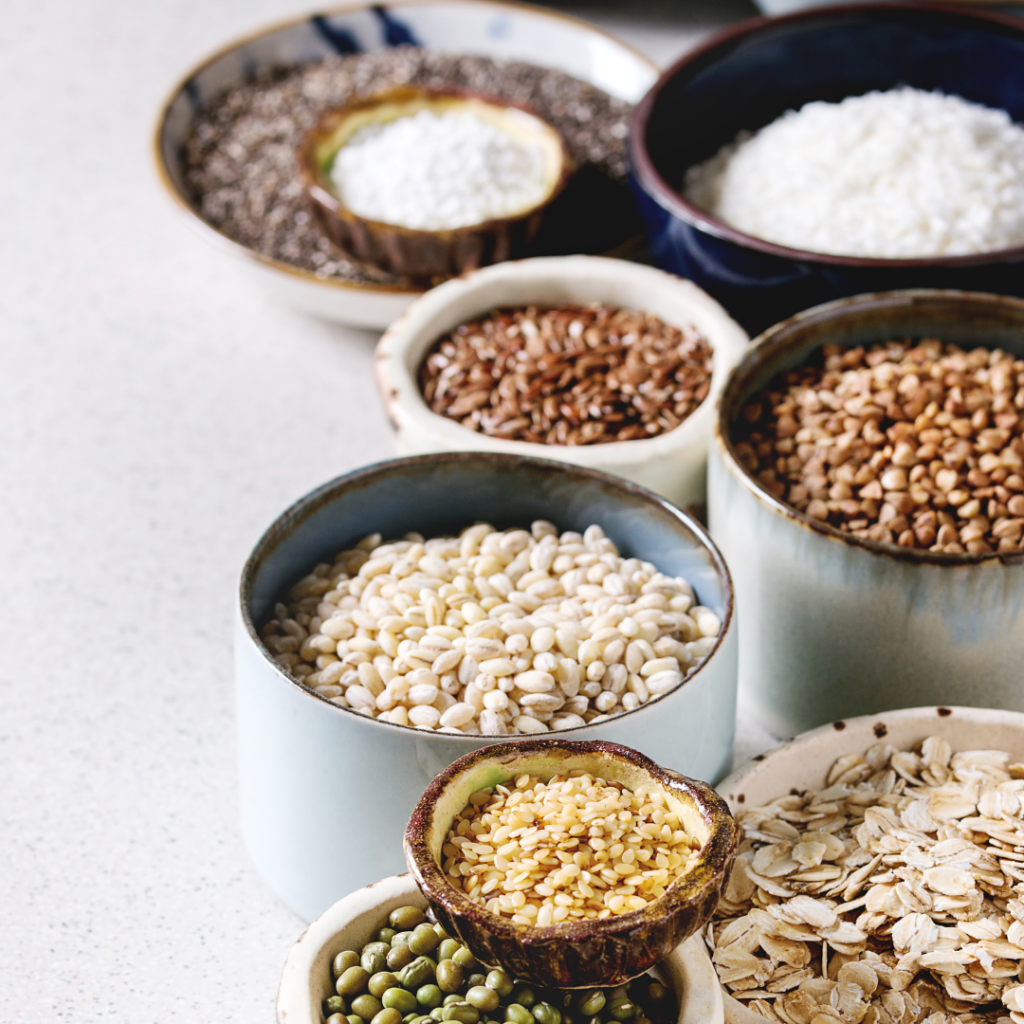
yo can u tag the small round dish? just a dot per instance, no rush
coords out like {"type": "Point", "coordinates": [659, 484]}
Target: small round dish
{"type": "Point", "coordinates": [802, 764]}
{"type": "Point", "coordinates": [672, 464]}
{"type": "Point", "coordinates": [489, 28]}
{"type": "Point", "coordinates": [354, 920]}
{"type": "Point", "coordinates": [423, 254]}
{"type": "Point", "coordinates": [747, 76]}
{"type": "Point", "coordinates": [574, 954]}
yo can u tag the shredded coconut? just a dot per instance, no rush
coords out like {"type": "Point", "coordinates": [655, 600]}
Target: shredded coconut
{"type": "Point", "coordinates": [894, 175]}
{"type": "Point", "coordinates": [432, 171]}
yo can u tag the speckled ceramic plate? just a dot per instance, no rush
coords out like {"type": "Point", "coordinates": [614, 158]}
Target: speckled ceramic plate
{"type": "Point", "coordinates": [480, 27]}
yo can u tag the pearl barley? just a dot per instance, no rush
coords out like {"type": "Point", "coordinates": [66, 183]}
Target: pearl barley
{"type": "Point", "coordinates": [490, 633]}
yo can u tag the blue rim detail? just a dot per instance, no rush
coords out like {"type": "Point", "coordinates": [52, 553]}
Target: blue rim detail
{"type": "Point", "coordinates": [340, 40]}
{"type": "Point", "coordinates": [396, 33]}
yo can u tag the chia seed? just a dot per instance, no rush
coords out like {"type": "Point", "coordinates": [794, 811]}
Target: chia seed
{"type": "Point", "coordinates": [240, 156]}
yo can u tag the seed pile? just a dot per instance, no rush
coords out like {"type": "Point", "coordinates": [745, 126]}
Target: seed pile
{"type": "Point", "coordinates": [918, 444]}
{"type": "Point", "coordinates": [570, 849]}
{"type": "Point", "coordinates": [490, 633]}
{"type": "Point", "coordinates": [240, 157]}
{"type": "Point", "coordinates": [893, 896]}
{"type": "Point", "coordinates": [570, 375]}
{"type": "Point", "coordinates": [892, 175]}
{"type": "Point", "coordinates": [414, 973]}
{"type": "Point", "coordinates": [431, 171]}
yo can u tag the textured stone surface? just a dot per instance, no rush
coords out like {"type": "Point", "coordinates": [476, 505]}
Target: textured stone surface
{"type": "Point", "coordinates": [155, 415]}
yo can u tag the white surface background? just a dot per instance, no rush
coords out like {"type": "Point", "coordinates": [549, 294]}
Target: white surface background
{"type": "Point", "coordinates": [155, 415]}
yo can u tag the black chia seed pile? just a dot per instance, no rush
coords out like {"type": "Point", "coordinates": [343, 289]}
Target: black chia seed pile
{"type": "Point", "coordinates": [240, 158]}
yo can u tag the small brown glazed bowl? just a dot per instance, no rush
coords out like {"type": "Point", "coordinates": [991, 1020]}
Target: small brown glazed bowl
{"type": "Point", "coordinates": [573, 954]}
{"type": "Point", "coordinates": [421, 255]}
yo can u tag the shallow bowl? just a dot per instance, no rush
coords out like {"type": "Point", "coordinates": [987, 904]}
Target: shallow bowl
{"type": "Point", "coordinates": [672, 464]}
{"type": "Point", "coordinates": [487, 28]}
{"type": "Point", "coordinates": [576, 954]}
{"type": "Point", "coordinates": [747, 76]}
{"type": "Point", "coordinates": [803, 763]}
{"type": "Point", "coordinates": [311, 771]}
{"type": "Point", "coordinates": [424, 254]}
{"type": "Point", "coordinates": [834, 625]}
{"type": "Point", "coordinates": [354, 920]}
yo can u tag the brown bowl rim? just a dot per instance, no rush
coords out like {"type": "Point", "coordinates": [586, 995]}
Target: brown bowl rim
{"type": "Point", "coordinates": [318, 192]}
{"type": "Point", "coordinates": [768, 347]}
{"type": "Point", "coordinates": [716, 855]}
{"type": "Point", "coordinates": [300, 510]}
{"type": "Point", "coordinates": [676, 203]}
{"type": "Point", "coordinates": [244, 252]}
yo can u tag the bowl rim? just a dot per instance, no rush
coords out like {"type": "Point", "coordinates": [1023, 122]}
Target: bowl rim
{"type": "Point", "coordinates": [244, 252]}
{"type": "Point", "coordinates": [675, 202]}
{"type": "Point", "coordinates": [770, 345]}
{"type": "Point", "coordinates": [719, 848]}
{"type": "Point", "coordinates": [400, 389]}
{"type": "Point", "coordinates": [320, 193]}
{"type": "Point", "coordinates": [296, 513]}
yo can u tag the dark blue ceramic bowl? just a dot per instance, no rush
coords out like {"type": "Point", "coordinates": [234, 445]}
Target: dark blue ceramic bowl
{"type": "Point", "coordinates": [749, 75]}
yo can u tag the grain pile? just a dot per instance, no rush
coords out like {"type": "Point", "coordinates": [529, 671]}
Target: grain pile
{"type": "Point", "coordinates": [895, 895]}
{"type": "Point", "coordinates": [570, 849]}
{"type": "Point", "coordinates": [918, 444]}
{"type": "Point", "coordinates": [568, 375]}
{"type": "Point", "coordinates": [893, 175]}
{"type": "Point", "coordinates": [490, 633]}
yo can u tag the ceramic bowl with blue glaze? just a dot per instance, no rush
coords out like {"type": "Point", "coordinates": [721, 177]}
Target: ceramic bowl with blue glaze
{"type": "Point", "coordinates": [748, 76]}
{"type": "Point", "coordinates": [485, 28]}
{"type": "Point", "coordinates": [835, 625]}
{"type": "Point", "coordinates": [326, 792]}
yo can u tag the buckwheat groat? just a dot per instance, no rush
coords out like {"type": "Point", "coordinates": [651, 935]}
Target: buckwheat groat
{"type": "Point", "coordinates": [917, 444]}
{"type": "Point", "coordinates": [490, 633]}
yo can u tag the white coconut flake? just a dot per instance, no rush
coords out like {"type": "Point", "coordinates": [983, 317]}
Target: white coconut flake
{"type": "Point", "coordinates": [892, 175]}
{"type": "Point", "coordinates": [434, 171]}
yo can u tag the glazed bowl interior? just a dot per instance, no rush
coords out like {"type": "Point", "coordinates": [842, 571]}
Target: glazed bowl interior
{"type": "Point", "coordinates": [442, 494]}
{"type": "Point", "coordinates": [337, 128]}
{"type": "Point", "coordinates": [967, 319]}
{"type": "Point", "coordinates": [763, 68]}
{"type": "Point", "coordinates": [575, 953]}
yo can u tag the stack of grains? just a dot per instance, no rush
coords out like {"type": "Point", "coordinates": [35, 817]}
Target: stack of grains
{"type": "Point", "coordinates": [889, 175]}
{"type": "Point", "coordinates": [491, 633]}
{"type": "Point", "coordinates": [433, 171]}
{"type": "Point", "coordinates": [568, 375]}
{"type": "Point", "coordinates": [918, 444]}
{"type": "Point", "coordinates": [570, 849]}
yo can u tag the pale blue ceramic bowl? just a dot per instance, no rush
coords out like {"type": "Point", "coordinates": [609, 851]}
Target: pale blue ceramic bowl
{"type": "Point", "coordinates": [326, 792]}
{"type": "Point", "coordinates": [835, 626]}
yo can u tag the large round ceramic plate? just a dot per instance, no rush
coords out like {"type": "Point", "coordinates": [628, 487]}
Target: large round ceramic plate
{"type": "Point", "coordinates": [478, 27]}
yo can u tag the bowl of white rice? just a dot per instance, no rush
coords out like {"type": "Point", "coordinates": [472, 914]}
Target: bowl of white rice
{"type": "Point", "coordinates": [839, 150]}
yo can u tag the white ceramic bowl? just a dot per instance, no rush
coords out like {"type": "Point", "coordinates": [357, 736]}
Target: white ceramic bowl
{"type": "Point", "coordinates": [353, 921]}
{"type": "Point", "coordinates": [803, 763]}
{"type": "Point", "coordinates": [486, 28]}
{"type": "Point", "coordinates": [671, 464]}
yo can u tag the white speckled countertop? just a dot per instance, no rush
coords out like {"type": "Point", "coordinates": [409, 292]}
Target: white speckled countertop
{"type": "Point", "coordinates": [155, 415]}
